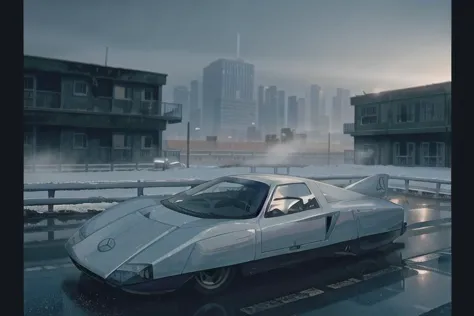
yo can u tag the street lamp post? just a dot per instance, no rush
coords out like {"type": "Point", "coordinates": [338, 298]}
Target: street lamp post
{"type": "Point", "coordinates": [187, 145]}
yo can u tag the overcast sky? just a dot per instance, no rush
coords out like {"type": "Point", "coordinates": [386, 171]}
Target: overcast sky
{"type": "Point", "coordinates": [356, 44]}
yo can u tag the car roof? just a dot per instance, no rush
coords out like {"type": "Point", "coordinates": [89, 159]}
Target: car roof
{"type": "Point", "coordinates": [270, 179]}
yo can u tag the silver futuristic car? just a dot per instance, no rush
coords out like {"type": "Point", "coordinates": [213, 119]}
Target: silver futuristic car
{"type": "Point", "coordinates": [243, 224]}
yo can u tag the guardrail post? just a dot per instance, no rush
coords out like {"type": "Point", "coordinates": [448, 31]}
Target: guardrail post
{"type": "Point", "coordinates": [59, 167]}
{"type": "Point", "coordinates": [87, 167]}
{"type": "Point", "coordinates": [136, 165]}
{"type": "Point", "coordinates": [112, 166]}
{"type": "Point", "coordinates": [275, 170]}
{"type": "Point", "coordinates": [139, 189]}
{"type": "Point", "coordinates": [438, 189]}
{"type": "Point", "coordinates": [407, 185]}
{"type": "Point", "coordinates": [287, 170]}
{"type": "Point", "coordinates": [51, 196]}
{"type": "Point", "coordinates": [50, 222]}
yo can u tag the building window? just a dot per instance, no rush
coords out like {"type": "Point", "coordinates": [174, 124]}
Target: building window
{"type": "Point", "coordinates": [28, 83]}
{"type": "Point", "coordinates": [147, 142]}
{"type": "Point", "coordinates": [149, 94]}
{"type": "Point", "coordinates": [427, 111]}
{"type": "Point", "coordinates": [405, 113]}
{"type": "Point", "coordinates": [433, 154]}
{"type": "Point", "coordinates": [80, 88]}
{"type": "Point", "coordinates": [80, 141]}
{"type": "Point", "coordinates": [404, 154]}
{"type": "Point", "coordinates": [123, 93]}
{"type": "Point", "coordinates": [122, 141]}
{"type": "Point", "coordinates": [368, 115]}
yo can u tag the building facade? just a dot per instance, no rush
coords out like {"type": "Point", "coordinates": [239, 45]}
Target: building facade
{"type": "Point", "coordinates": [341, 110]}
{"type": "Point", "coordinates": [301, 115]}
{"type": "Point", "coordinates": [228, 106]}
{"type": "Point", "coordinates": [83, 113]}
{"type": "Point", "coordinates": [195, 114]}
{"type": "Point", "coordinates": [261, 107]}
{"type": "Point", "coordinates": [407, 127]}
{"type": "Point", "coordinates": [281, 121]}
{"type": "Point", "coordinates": [270, 113]}
{"type": "Point", "coordinates": [314, 105]}
{"type": "Point", "coordinates": [292, 112]}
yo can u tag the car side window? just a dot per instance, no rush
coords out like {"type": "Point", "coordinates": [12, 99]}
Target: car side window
{"type": "Point", "coordinates": [291, 198]}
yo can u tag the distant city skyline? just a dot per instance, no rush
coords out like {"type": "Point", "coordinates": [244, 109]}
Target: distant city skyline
{"type": "Point", "coordinates": [366, 45]}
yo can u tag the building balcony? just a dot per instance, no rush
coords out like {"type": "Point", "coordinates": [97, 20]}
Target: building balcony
{"type": "Point", "coordinates": [47, 101]}
{"type": "Point", "coordinates": [41, 99]}
{"type": "Point", "coordinates": [172, 111]}
{"type": "Point", "coordinates": [348, 128]}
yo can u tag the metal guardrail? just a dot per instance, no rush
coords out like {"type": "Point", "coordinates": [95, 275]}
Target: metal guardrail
{"type": "Point", "coordinates": [51, 188]}
{"type": "Point", "coordinates": [196, 156]}
{"type": "Point", "coordinates": [87, 167]}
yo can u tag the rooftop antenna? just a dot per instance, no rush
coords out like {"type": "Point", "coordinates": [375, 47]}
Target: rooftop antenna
{"type": "Point", "coordinates": [238, 45]}
{"type": "Point", "coordinates": [106, 55]}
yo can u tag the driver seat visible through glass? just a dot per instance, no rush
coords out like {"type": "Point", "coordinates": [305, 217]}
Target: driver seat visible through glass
{"type": "Point", "coordinates": [291, 198]}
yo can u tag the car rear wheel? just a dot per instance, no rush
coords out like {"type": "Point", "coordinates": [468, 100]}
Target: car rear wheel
{"type": "Point", "coordinates": [214, 281]}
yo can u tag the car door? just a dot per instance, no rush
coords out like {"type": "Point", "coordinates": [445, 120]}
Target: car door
{"type": "Point", "coordinates": [289, 223]}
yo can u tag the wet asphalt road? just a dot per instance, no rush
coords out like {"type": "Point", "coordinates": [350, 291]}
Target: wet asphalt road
{"type": "Point", "coordinates": [395, 282]}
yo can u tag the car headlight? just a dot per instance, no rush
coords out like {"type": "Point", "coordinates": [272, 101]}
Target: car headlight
{"type": "Point", "coordinates": [132, 273]}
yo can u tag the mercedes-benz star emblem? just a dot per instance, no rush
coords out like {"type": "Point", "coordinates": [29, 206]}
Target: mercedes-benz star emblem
{"type": "Point", "coordinates": [106, 245]}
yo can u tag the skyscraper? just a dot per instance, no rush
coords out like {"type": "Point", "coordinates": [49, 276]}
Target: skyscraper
{"type": "Point", "coordinates": [261, 105]}
{"type": "Point", "coordinates": [301, 115]}
{"type": "Point", "coordinates": [323, 118]}
{"type": "Point", "coordinates": [195, 118]}
{"type": "Point", "coordinates": [281, 122]}
{"type": "Point", "coordinates": [340, 109]}
{"type": "Point", "coordinates": [181, 96]}
{"type": "Point", "coordinates": [194, 95]}
{"type": "Point", "coordinates": [314, 99]}
{"type": "Point", "coordinates": [347, 111]}
{"type": "Point", "coordinates": [270, 111]}
{"type": "Point", "coordinates": [292, 112]}
{"type": "Point", "coordinates": [228, 106]}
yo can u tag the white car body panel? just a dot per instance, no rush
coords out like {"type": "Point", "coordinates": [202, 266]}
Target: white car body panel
{"type": "Point", "coordinates": [175, 243]}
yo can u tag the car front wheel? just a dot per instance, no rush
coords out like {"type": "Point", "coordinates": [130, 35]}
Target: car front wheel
{"type": "Point", "coordinates": [214, 281]}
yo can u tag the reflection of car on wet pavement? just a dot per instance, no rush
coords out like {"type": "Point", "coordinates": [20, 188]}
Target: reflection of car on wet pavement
{"type": "Point", "coordinates": [243, 224]}
{"type": "Point", "coordinates": [268, 289]}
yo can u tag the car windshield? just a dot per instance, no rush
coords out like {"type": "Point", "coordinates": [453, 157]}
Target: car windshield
{"type": "Point", "coordinates": [226, 197]}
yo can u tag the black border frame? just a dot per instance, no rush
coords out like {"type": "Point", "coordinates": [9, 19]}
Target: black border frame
{"type": "Point", "coordinates": [461, 165]}
{"type": "Point", "coordinates": [462, 55]}
{"type": "Point", "coordinates": [12, 232]}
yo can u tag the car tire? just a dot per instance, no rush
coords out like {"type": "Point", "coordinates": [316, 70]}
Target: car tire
{"type": "Point", "coordinates": [214, 281]}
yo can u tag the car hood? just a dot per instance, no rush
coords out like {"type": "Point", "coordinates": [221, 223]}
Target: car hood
{"type": "Point", "coordinates": [157, 212]}
{"type": "Point", "coordinates": [125, 238]}
{"type": "Point", "coordinates": [128, 229]}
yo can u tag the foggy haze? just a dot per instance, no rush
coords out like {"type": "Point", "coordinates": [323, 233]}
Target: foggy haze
{"type": "Point", "coordinates": [367, 45]}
